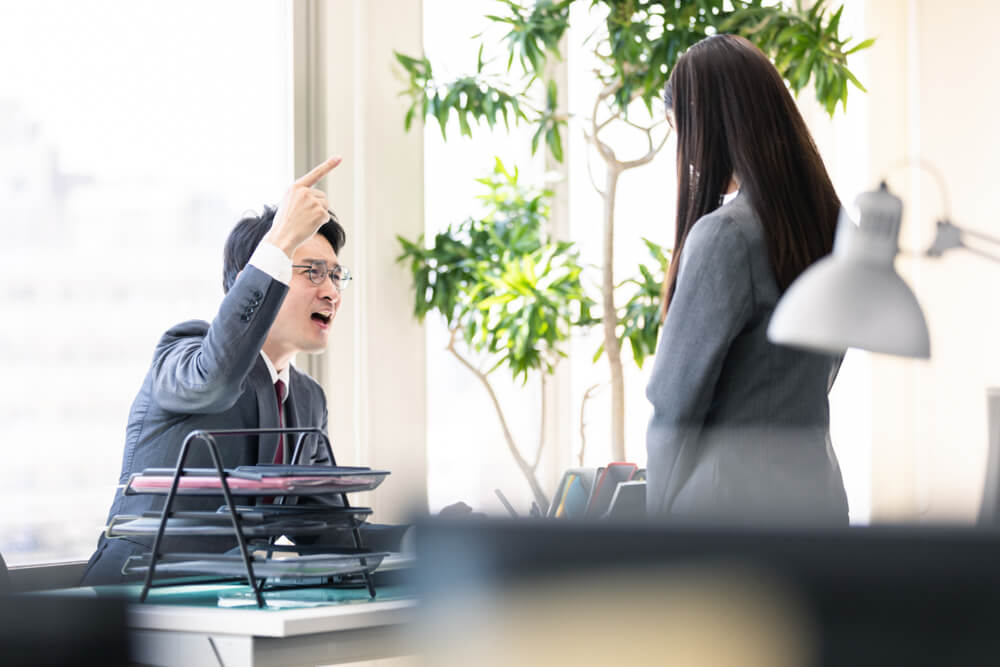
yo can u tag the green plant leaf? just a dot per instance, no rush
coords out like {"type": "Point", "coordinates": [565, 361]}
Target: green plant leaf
{"type": "Point", "coordinates": [860, 47]}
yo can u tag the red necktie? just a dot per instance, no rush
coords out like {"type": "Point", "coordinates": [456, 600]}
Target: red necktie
{"type": "Point", "coordinates": [279, 390]}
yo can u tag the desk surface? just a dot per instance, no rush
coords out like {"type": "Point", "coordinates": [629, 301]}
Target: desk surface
{"type": "Point", "coordinates": [221, 624]}
{"type": "Point", "coordinates": [231, 609]}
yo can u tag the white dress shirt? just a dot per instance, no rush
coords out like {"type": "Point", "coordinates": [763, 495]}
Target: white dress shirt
{"type": "Point", "coordinates": [270, 259]}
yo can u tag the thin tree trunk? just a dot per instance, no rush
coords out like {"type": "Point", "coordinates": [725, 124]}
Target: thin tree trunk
{"type": "Point", "coordinates": [526, 469]}
{"type": "Point", "coordinates": [614, 169]}
{"type": "Point", "coordinates": [587, 395]}
{"type": "Point", "coordinates": [610, 317]}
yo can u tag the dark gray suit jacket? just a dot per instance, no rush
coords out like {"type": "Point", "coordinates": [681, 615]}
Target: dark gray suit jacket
{"type": "Point", "coordinates": [209, 376]}
{"type": "Point", "coordinates": [740, 426]}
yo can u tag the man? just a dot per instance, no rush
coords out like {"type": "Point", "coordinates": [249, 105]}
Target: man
{"type": "Point", "coordinates": [283, 283]}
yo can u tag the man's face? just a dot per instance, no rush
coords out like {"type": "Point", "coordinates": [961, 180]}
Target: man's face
{"type": "Point", "coordinates": [303, 323]}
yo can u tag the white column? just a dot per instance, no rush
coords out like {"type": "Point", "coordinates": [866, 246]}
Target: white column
{"type": "Point", "coordinates": [347, 103]}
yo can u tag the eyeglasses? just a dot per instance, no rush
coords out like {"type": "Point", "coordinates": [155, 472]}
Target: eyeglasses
{"type": "Point", "coordinates": [319, 271]}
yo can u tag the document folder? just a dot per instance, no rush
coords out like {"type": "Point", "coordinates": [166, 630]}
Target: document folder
{"type": "Point", "coordinates": [606, 485]}
{"type": "Point", "coordinates": [310, 565]}
{"type": "Point", "coordinates": [258, 480]}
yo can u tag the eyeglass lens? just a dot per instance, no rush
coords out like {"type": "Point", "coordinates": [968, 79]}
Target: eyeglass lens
{"type": "Point", "coordinates": [318, 272]}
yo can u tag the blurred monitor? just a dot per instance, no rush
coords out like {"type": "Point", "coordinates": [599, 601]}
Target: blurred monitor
{"type": "Point", "coordinates": [48, 629]}
{"type": "Point", "coordinates": [548, 592]}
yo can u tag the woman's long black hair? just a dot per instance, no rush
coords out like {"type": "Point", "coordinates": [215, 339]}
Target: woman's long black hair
{"type": "Point", "coordinates": [734, 115]}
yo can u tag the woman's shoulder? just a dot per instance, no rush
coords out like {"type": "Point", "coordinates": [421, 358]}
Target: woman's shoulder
{"type": "Point", "coordinates": [731, 228]}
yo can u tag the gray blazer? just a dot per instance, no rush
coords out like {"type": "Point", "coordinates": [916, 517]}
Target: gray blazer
{"type": "Point", "coordinates": [209, 376]}
{"type": "Point", "coordinates": [740, 426]}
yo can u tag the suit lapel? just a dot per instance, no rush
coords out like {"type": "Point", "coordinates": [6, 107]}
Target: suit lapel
{"type": "Point", "coordinates": [292, 418]}
{"type": "Point", "coordinates": [295, 416]}
{"type": "Point", "coordinates": [267, 410]}
{"type": "Point", "coordinates": [291, 404]}
{"type": "Point", "coordinates": [305, 411]}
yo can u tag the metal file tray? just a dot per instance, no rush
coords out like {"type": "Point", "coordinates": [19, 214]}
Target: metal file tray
{"type": "Point", "coordinates": [255, 521]}
{"type": "Point", "coordinates": [301, 509]}
{"type": "Point", "coordinates": [262, 470]}
{"type": "Point", "coordinates": [250, 481]}
{"type": "Point", "coordinates": [265, 470]}
{"type": "Point", "coordinates": [273, 564]}
{"type": "Point", "coordinates": [349, 562]}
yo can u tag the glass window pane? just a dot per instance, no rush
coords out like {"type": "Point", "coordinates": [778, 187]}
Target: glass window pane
{"type": "Point", "coordinates": [134, 135]}
{"type": "Point", "coordinates": [463, 466]}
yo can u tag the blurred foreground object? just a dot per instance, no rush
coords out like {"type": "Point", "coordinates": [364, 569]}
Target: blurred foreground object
{"type": "Point", "coordinates": [551, 593]}
{"type": "Point", "coordinates": [44, 629]}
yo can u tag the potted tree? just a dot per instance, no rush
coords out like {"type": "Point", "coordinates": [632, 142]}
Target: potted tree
{"type": "Point", "coordinates": [640, 42]}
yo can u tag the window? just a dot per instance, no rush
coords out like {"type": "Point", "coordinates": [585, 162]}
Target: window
{"type": "Point", "coordinates": [134, 136]}
{"type": "Point", "coordinates": [467, 454]}
{"type": "Point", "coordinates": [468, 457]}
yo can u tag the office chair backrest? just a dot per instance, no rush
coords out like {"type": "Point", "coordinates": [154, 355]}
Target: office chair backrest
{"type": "Point", "coordinates": [989, 510]}
{"type": "Point", "coordinates": [4, 578]}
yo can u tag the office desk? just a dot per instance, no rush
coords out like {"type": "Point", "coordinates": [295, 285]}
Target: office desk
{"type": "Point", "coordinates": [185, 625]}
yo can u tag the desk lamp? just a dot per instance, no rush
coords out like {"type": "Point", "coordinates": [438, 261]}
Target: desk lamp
{"type": "Point", "coordinates": [854, 297]}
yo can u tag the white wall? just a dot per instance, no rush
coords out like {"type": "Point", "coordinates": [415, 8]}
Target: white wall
{"type": "Point", "coordinates": [374, 374]}
{"type": "Point", "coordinates": [932, 97]}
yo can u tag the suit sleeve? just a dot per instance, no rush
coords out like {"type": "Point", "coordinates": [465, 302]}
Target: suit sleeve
{"type": "Point", "coordinates": [321, 456]}
{"type": "Point", "coordinates": [199, 371]}
{"type": "Point", "coordinates": [712, 302]}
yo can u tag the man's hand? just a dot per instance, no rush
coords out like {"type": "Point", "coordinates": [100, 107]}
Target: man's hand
{"type": "Point", "coordinates": [302, 210]}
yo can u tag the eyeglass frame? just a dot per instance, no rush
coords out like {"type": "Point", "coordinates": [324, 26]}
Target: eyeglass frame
{"type": "Point", "coordinates": [340, 275]}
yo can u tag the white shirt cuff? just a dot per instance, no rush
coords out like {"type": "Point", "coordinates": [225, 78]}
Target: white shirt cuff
{"type": "Point", "coordinates": [270, 259]}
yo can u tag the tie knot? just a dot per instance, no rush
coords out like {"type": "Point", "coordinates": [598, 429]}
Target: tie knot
{"type": "Point", "coordinates": [279, 390]}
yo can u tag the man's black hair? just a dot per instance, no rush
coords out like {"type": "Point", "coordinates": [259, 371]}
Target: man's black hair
{"type": "Point", "coordinates": [249, 231]}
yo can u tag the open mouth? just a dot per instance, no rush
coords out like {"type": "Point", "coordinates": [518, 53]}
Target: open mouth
{"type": "Point", "coordinates": [322, 318]}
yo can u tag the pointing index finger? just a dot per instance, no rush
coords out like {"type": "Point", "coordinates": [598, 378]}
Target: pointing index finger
{"type": "Point", "coordinates": [318, 172]}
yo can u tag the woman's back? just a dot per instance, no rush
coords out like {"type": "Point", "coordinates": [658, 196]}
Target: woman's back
{"type": "Point", "coordinates": [740, 426]}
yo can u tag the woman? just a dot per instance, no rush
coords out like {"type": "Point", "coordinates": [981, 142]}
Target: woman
{"type": "Point", "coordinates": [740, 427]}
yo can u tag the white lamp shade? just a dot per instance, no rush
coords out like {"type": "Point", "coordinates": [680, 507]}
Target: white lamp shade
{"type": "Point", "coordinates": [854, 297]}
{"type": "Point", "coordinates": [837, 303]}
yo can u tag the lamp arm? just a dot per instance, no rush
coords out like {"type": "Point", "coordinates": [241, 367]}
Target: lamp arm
{"type": "Point", "coordinates": [983, 253]}
{"type": "Point", "coordinates": [930, 169]}
{"type": "Point", "coordinates": [951, 236]}
{"type": "Point", "coordinates": [963, 232]}
{"type": "Point", "coordinates": [980, 236]}
{"type": "Point", "coordinates": [948, 235]}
